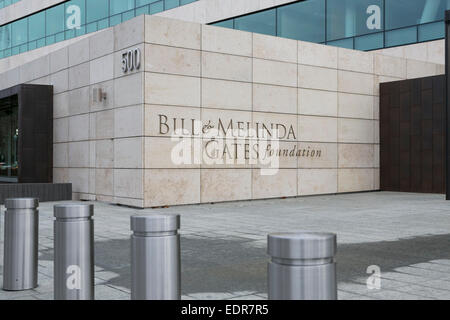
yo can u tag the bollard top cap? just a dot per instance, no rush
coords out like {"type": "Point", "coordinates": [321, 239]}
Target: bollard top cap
{"type": "Point", "coordinates": [21, 203]}
{"type": "Point", "coordinates": [302, 245]}
{"type": "Point", "coordinates": [73, 210]}
{"type": "Point", "coordinates": [155, 222]}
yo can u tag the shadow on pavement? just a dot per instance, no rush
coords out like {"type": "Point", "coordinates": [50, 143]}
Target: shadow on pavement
{"type": "Point", "coordinates": [222, 265]}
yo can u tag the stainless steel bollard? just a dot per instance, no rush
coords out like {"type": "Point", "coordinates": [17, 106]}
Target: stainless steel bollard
{"type": "Point", "coordinates": [20, 267]}
{"type": "Point", "coordinates": [302, 266]}
{"type": "Point", "coordinates": [74, 252]}
{"type": "Point", "coordinates": [155, 257]}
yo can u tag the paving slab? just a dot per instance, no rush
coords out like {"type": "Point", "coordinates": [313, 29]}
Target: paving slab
{"type": "Point", "coordinates": [224, 245]}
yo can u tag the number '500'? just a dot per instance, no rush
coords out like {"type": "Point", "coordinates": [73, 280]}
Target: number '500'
{"type": "Point", "coordinates": [131, 60]}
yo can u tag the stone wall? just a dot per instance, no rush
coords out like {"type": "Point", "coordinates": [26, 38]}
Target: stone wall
{"type": "Point", "coordinates": [89, 133]}
{"type": "Point", "coordinates": [203, 11]}
{"type": "Point", "coordinates": [18, 60]}
{"type": "Point", "coordinates": [120, 150]}
{"type": "Point", "coordinates": [431, 51]}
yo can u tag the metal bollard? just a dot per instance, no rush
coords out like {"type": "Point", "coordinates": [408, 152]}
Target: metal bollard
{"type": "Point", "coordinates": [74, 252]}
{"type": "Point", "coordinates": [155, 257]}
{"type": "Point", "coordinates": [21, 244]}
{"type": "Point", "coordinates": [302, 266]}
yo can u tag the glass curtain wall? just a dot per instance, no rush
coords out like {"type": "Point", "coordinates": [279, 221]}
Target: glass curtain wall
{"type": "Point", "coordinates": [9, 132]}
{"type": "Point", "coordinates": [415, 20]}
{"type": "Point", "coordinates": [356, 24]}
{"type": "Point", "coordinates": [74, 18]}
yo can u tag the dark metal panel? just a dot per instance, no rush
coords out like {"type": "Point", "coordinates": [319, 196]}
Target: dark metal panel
{"type": "Point", "coordinates": [412, 135]}
{"type": "Point", "coordinates": [35, 144]}
{"type": "Point", "coordinates": [447, 105]}
{"type": "Point", "coordinates": [43, 191]}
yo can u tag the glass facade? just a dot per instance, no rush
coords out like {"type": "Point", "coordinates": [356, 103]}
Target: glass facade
{"type": "Point", "coordinates": [295, 21]}
{"type": "Point", "coordinates": [5, 3]}
{"type": "Point", "coordinates": [74, 18]}
{"type": "Point", "coordinates": [355, 24]}
{"type": "Point", "coordinates": [8, 139]}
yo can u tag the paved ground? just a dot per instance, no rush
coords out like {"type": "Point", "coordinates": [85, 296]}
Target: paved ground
{"type": "Point", "coordinates": [223, 245]}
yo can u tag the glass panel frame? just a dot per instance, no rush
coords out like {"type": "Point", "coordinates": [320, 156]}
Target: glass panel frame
{"type": "Point", "coordinates": [400, 37]}
{"type": "Point", "coordinates": [302, 21]}
{"type": "Point", "coordinates": [371, 41]}
{"type": "Point", "coordinates": [261, 22]}
{"type": "Point", "coordinates": [358, 17]}
{"type": "Point", "coordinates": [425, 15]}
{"type": "Point", "coordinates": [405, 13]}
{"type": "Point", "coordinates": [9, 138]}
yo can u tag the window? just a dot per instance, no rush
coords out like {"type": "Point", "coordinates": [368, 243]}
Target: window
{"type": "Point", "coordinates": [19, 32]}
{"type": "Point", "coordinates": [359, 24]}
{"type": "Point", "coordinates": [261, 22]}
{"type": "Point", "coordinates": [55, 20]}
{"type": "Point", "coordinates": [140, 3]}
{"type": "Point", "coordinates": [157, 7]}
{"type": "Point", "coordinates": [401, 36]}
{"type": "Point", "coordinates": [404, 13]}
{"type": "Point", "coordinates": [8, 138]}
{"type": "Point", "coordinates": [344, 43]}
{"type": "Point", "coordinates": [432, 31]}
{"type": "Point", "coordinates": [302, 21]}
{"type": "Point", "coordinates": [225, 24]}
{"type": "Point", "coordinates": [97, 10]}
{"type": "Point", "coordinates": [5, 37]}
{"type": "Point", "coordinates": [75, 14]}
{"type": "Point", "coordinates": [349, 18]}
{"type": "Point", "coordinates": [37, 26]}
{"type": "Point", "coordinates": [169, 4]}
{"type": "Point", "coordinates": [119, 6]}
{"type": "Point", "coordinates": [369, 42]}
{"type": "Point", "coordinates": [142, 10]}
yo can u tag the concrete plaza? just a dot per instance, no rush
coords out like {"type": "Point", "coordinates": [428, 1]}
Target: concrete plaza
{"type": "Point", "coordinates": [224, 245]}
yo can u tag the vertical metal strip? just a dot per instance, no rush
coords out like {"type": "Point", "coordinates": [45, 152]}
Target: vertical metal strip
{"type": "Point", "coordinates": [447, 111]}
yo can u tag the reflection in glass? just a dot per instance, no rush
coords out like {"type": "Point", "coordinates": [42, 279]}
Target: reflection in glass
{"type": "Point", "coordinates": [72, 19]}
{"type": "Point", "coordinates": [97, 10]}
{"type": "Point", "coordinates": [5, 37]}
{"type": "Point", "coordinates": [142, 10]}
{"type": "Point", "coordinates": [302, 21]}
{"type": "Point", "coordinates": [157, 7]}
{"type": "Point", "coordinates": [225, 24]}
{"type": "Point", "coordinates": [261, 22]}
{"type": "Point", "coordinates": [401, 36]}
{"type": "Point", "coordinates": [349, 18]}
{"type": "Point", "coordinates": [404, 13]}
{"type": "Point", "coordinates": [37, 26]}
{"type": "Point", "coordinates": [140, 3]}
{"type": "Point", "coordinates": [119, 6]}
{"type": "Point", "coordinates": [369, 42]}
{"type": "Point", "coordinates": [432, 31]}
{"type": "Point", "coordinates": [345, 23]}
{"type": "Point", "coordinates": [8, 138]}
{"type": "Point", "coordinates": [19, 32]}
{"type": "Point", "coordinates": [344, 43]}
{"type": "Point", "coordinates": [55, 20]}
{"type": "Point", "coordinates": [169, 4]}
